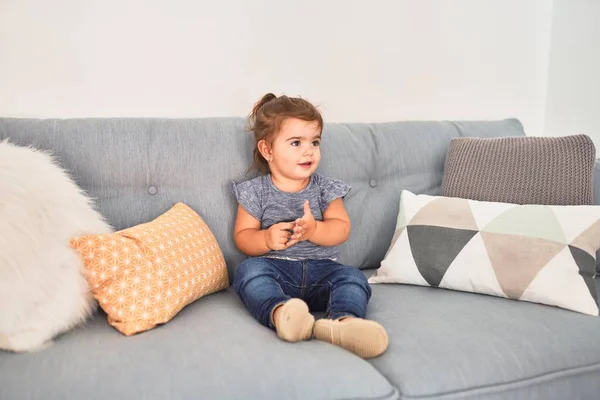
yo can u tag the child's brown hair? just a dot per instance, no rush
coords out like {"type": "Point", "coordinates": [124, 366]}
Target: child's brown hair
{"type": "Point", "coordinates": [268, 115]}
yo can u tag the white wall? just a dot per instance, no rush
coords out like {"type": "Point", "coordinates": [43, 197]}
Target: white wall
{"type": "Point", "coordinates": [361, 61]}
{"type": "Point", "coordinates": [573, 97]}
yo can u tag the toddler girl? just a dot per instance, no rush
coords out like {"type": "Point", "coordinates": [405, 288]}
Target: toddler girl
{"type": "Point", "coordinates": [290, 221]}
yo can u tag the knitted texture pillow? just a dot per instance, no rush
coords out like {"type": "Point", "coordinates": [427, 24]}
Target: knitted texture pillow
{"type": "Point", "coordinates": [521, 170]}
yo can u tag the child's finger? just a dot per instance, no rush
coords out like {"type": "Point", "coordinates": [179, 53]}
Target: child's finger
{"type": "Point", "coordinates": [285, 226]}
{"type": "Point", "coordinates": [291, 243]}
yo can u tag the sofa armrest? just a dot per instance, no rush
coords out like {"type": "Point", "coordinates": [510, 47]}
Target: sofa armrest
{"type": "Point", "coordinates": [597, 182]}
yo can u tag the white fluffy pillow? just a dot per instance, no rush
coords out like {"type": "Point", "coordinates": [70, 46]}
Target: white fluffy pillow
{"type": "Point", "coordinates": [43, 290]}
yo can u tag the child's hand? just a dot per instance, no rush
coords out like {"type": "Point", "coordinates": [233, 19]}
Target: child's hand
{"type": "Point", "coordinates": [278, 235]}
{"type": "Point", "coordinates": [305, 226]}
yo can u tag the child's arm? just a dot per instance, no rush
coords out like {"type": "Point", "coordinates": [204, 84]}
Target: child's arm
{"type": "Point", "coordinates": [333, 230]}
{"type": "Point", "coordinates": [253, 241]}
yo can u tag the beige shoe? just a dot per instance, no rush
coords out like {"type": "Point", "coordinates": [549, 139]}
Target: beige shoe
{"type": "Point", "coordinates": [294, 321]}
{"type": "Point", "coordinates": [365, 338]}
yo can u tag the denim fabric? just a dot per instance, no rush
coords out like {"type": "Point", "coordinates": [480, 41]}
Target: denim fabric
{"type": "Point", "coordinates": [264, 283]}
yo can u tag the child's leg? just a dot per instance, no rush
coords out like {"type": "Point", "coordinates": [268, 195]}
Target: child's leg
{"type": "Point", "coordinates": [346, 292]}
{"type": "Point", "coordinates": [268, 297]}
{"type": "Point", "coordinates": [340, 290]}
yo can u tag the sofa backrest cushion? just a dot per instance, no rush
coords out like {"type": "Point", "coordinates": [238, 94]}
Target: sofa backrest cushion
{"type": "Point", "coordinates": [138, 168]}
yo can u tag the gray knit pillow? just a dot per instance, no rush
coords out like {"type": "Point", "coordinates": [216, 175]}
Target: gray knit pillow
{"type": "Point", "coordinates": [521, 170]}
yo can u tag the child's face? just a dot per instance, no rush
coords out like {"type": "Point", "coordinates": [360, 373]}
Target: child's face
{"type": "Point", "coordinates": [295, 150]}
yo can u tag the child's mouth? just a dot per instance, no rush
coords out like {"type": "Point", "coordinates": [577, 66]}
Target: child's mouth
{"type": "Point", "coordinates": [307, 164]}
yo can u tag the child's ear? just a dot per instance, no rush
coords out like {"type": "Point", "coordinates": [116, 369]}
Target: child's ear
{"type": "Point", "coordinates": [264, 149]}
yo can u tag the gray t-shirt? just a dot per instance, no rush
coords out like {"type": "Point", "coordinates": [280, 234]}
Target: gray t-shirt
{"type": "Point", "coordinates": [261, 199]}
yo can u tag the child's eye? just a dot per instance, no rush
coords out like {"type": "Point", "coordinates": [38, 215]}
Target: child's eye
{"type": "Point", "coordinates": [295, 143]}
{"type": "Point", "coordinates": [316, 143]}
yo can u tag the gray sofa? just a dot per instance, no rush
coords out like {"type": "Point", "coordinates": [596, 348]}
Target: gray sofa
{"type": "Point", "coordinates": [443, 344]}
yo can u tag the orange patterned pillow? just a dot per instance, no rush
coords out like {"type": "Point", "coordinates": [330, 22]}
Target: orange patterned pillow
{"type": "Point", "coordinates": [143, 276]}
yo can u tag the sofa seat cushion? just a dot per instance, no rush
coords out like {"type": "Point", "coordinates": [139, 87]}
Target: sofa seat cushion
{"type": "Point", "coordinates": [448, 345]}
{"type": "Point", "coordinates": [212, 349]}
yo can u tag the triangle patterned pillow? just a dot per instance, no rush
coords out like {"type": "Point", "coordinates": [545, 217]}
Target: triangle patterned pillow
{"type": "Point", "coordinates": [536, 253]}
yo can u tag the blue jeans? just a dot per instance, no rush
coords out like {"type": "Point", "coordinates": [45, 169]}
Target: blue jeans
{"type": "Point", "coordinates": [325, 285]}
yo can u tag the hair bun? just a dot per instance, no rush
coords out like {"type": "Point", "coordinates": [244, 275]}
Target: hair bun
{"type": "Point", "coordinates": [264, 100]}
